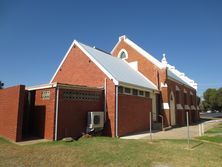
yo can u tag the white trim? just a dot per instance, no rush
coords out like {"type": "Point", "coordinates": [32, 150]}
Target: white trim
{"type": "Point", "coordinates": [179, 107]}
{"type": "Point", "coordinates": [177, 88]}
{"type": "Point", "coordinates": [139, 50]}
{"type": "Point", "coordinates": [124, 91]}
{"type": "Point", "coordinates": [134, 65]}
{"type": "Point", "coordinates": [117, 94]}
{"type": "Point", "coordinates": [191, 93]}
{"type": "Point", "coordinates": [184, 91]}
{"type": "Point", "coordinates": [97, 63]}
{"type": "Point", "coordinates": [120, 52]}
{"type": "Point", "coordinates": [44, 86]}
{"type": "Point", "coordinates": [166, 106]}
{"type": "Point", "coordinates": [193, 107]}
{"type": "Point", "coordinates": [186, 107]}
{"type": "Point", "coordinates": [117, 43]}
{"type": "Point", "coordinates": [64, 58]}
{"type": "Point", "coordinates": [57, 114]}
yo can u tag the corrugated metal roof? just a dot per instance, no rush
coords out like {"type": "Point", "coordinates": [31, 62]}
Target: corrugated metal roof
{"type": "Point", "coordinates": [119, 69]}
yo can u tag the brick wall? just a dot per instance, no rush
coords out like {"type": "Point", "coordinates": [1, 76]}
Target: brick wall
{"type": "Point", "coordinates": [44, 114]}
{"type": "Point", "coordinates": [11, 112]}
{"type": "Point", "coordinates": [78, 69]}
{"type": "Point", "coordinates": [133, 114]}
{"type": "Point", "coordinates": [145, 66]}
{"type": "Point", "coordinates": [72, 117]}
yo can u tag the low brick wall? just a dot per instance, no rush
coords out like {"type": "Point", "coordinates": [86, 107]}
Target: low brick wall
{"type": "Point", "coordinates": [133, 114]}
{"type": "Point", "coordinates": [12, 101]}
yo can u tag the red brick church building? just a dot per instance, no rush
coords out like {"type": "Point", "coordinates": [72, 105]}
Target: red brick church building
{"type": "Point", "coordinates": [127, 85]}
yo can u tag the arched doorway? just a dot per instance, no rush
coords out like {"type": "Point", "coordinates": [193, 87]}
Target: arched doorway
{"type": "Point", "coordinates": [172, 109]}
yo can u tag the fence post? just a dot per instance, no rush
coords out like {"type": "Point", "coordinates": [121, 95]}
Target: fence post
{"type": "Point", "coordinates": [150, 126]}
{"type": "Point", "coordinates": [188, 130]}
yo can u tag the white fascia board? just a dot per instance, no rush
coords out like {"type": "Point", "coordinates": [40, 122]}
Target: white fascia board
{"type": "Point", "coordinates": [116, 82]}
{"type": "Point", "coordinates": [64, 58]}
{"type": "Point", "coordinates": [144, 53]}
{"type": "Point", "coordinates": [44, 86]}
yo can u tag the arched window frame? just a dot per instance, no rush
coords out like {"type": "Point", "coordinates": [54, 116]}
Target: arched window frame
{"type": "Point", "coordinates": [120, 52]}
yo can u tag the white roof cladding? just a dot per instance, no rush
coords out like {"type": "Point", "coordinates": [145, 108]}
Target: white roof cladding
{"type": "Point", "coordinates": [118, 69]}
{"type": "Point", "coordinates": [172, 72]}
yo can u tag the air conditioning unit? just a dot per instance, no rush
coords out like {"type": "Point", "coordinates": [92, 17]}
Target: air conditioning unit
{"type": "Point", "coordinates": [95, 121]}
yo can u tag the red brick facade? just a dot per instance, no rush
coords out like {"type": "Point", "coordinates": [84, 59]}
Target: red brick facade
{"type": "Point", "coordinates": [72, 115]}
{"type": "Point", "coordinates": [11, 112]}
{"type": "Point", "coordinates": [44, 114]}
{"type": "Point", "coordinates": [78, 69]}
{"type": "Point", "coordinates": [159, 76]}
{"type": "Point", "coordinates": [133, 114]}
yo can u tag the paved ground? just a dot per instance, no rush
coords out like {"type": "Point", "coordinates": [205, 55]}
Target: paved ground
{"type": "Point", "coordinates": [175, 133]}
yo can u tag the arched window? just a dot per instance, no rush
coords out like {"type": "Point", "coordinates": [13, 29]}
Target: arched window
{"type": "Point", "coordinates": [123, 54]}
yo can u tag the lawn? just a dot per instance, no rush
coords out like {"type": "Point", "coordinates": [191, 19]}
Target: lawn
{"type": "Point", "coordinates": [213, 134]}
{"type": "Point", "coordinates": [104, 151]}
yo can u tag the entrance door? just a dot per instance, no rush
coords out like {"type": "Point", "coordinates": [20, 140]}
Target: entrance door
{"type": "Point", "coordinates": [172, 109]}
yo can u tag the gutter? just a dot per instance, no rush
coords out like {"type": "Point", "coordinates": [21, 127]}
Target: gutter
{"type": "Point", "coordinates": [117, 111]}
{"type": "Point", "coordinates": [56, 114]}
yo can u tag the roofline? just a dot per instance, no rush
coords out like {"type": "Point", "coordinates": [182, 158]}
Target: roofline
{"type": "Point", "coordinates": [186, 85]}
{"type": "Point", "coordinates": [115, 81]}
{"type": "Point", "coordinates": [64, 58]}
{"type": "Point", "coordinates": [139, 50]}
{"type": "Point", "coordinates": [60, 85]}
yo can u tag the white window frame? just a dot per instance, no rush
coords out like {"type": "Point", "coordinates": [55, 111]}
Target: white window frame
{"type": "Point", "coordinates": [120, 52]}
{"type": "Point", "coordinates": [124, 91]}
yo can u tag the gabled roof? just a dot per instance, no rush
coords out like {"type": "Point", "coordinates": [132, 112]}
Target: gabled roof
{"type": "Point", "coordinates": [139, 50]}
{"type": "Point", "coordinates": [116, 69]}
{"type": "Point", "coordinates": [171, 71]}
{"type": "Point", "coordinates": [119, 69]}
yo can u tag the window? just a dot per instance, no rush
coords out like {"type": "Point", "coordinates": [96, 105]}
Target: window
{"type": "Point", "coordinates": [120, 89]}
{"type": "Point", "coordinates": [127, 90]}
{"type": "Point", "coordinates": [141, 93]}
{"type": "Point", "coordinates": [147, 94]}
{"type": "Point", "coordinates": [135, 92]}
{"type": "Point", "coordinates": [123, 54]}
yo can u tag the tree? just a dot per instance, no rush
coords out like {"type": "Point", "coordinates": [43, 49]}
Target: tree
{"type": "Point", "coordinates": [1, 85]}
{"type": "Point", "coordinates": [213, 99]}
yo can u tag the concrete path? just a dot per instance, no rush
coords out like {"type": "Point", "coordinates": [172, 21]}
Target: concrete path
{"type": "Point", "coordinates": [175, 133]}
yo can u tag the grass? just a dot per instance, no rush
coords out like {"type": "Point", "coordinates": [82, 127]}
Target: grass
{"type": "Point", "coordinates": [213, 135]}
{"type": "Point", "coordinates": [104, 151]}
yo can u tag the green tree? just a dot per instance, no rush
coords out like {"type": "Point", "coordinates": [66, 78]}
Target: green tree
{"type": "Point", "coordinates": [210, 102]}
{"type": "Point", "coordinates": [219, 99]}
{"type": "Point", "coordinates": [1, 85]}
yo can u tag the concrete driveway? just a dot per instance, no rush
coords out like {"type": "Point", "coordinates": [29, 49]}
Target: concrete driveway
{"type": "Point", "coordinates": [175, 133]}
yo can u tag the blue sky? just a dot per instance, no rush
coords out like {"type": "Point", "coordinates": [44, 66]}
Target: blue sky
{"type": "Point", "coordinates": [34, 35]}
